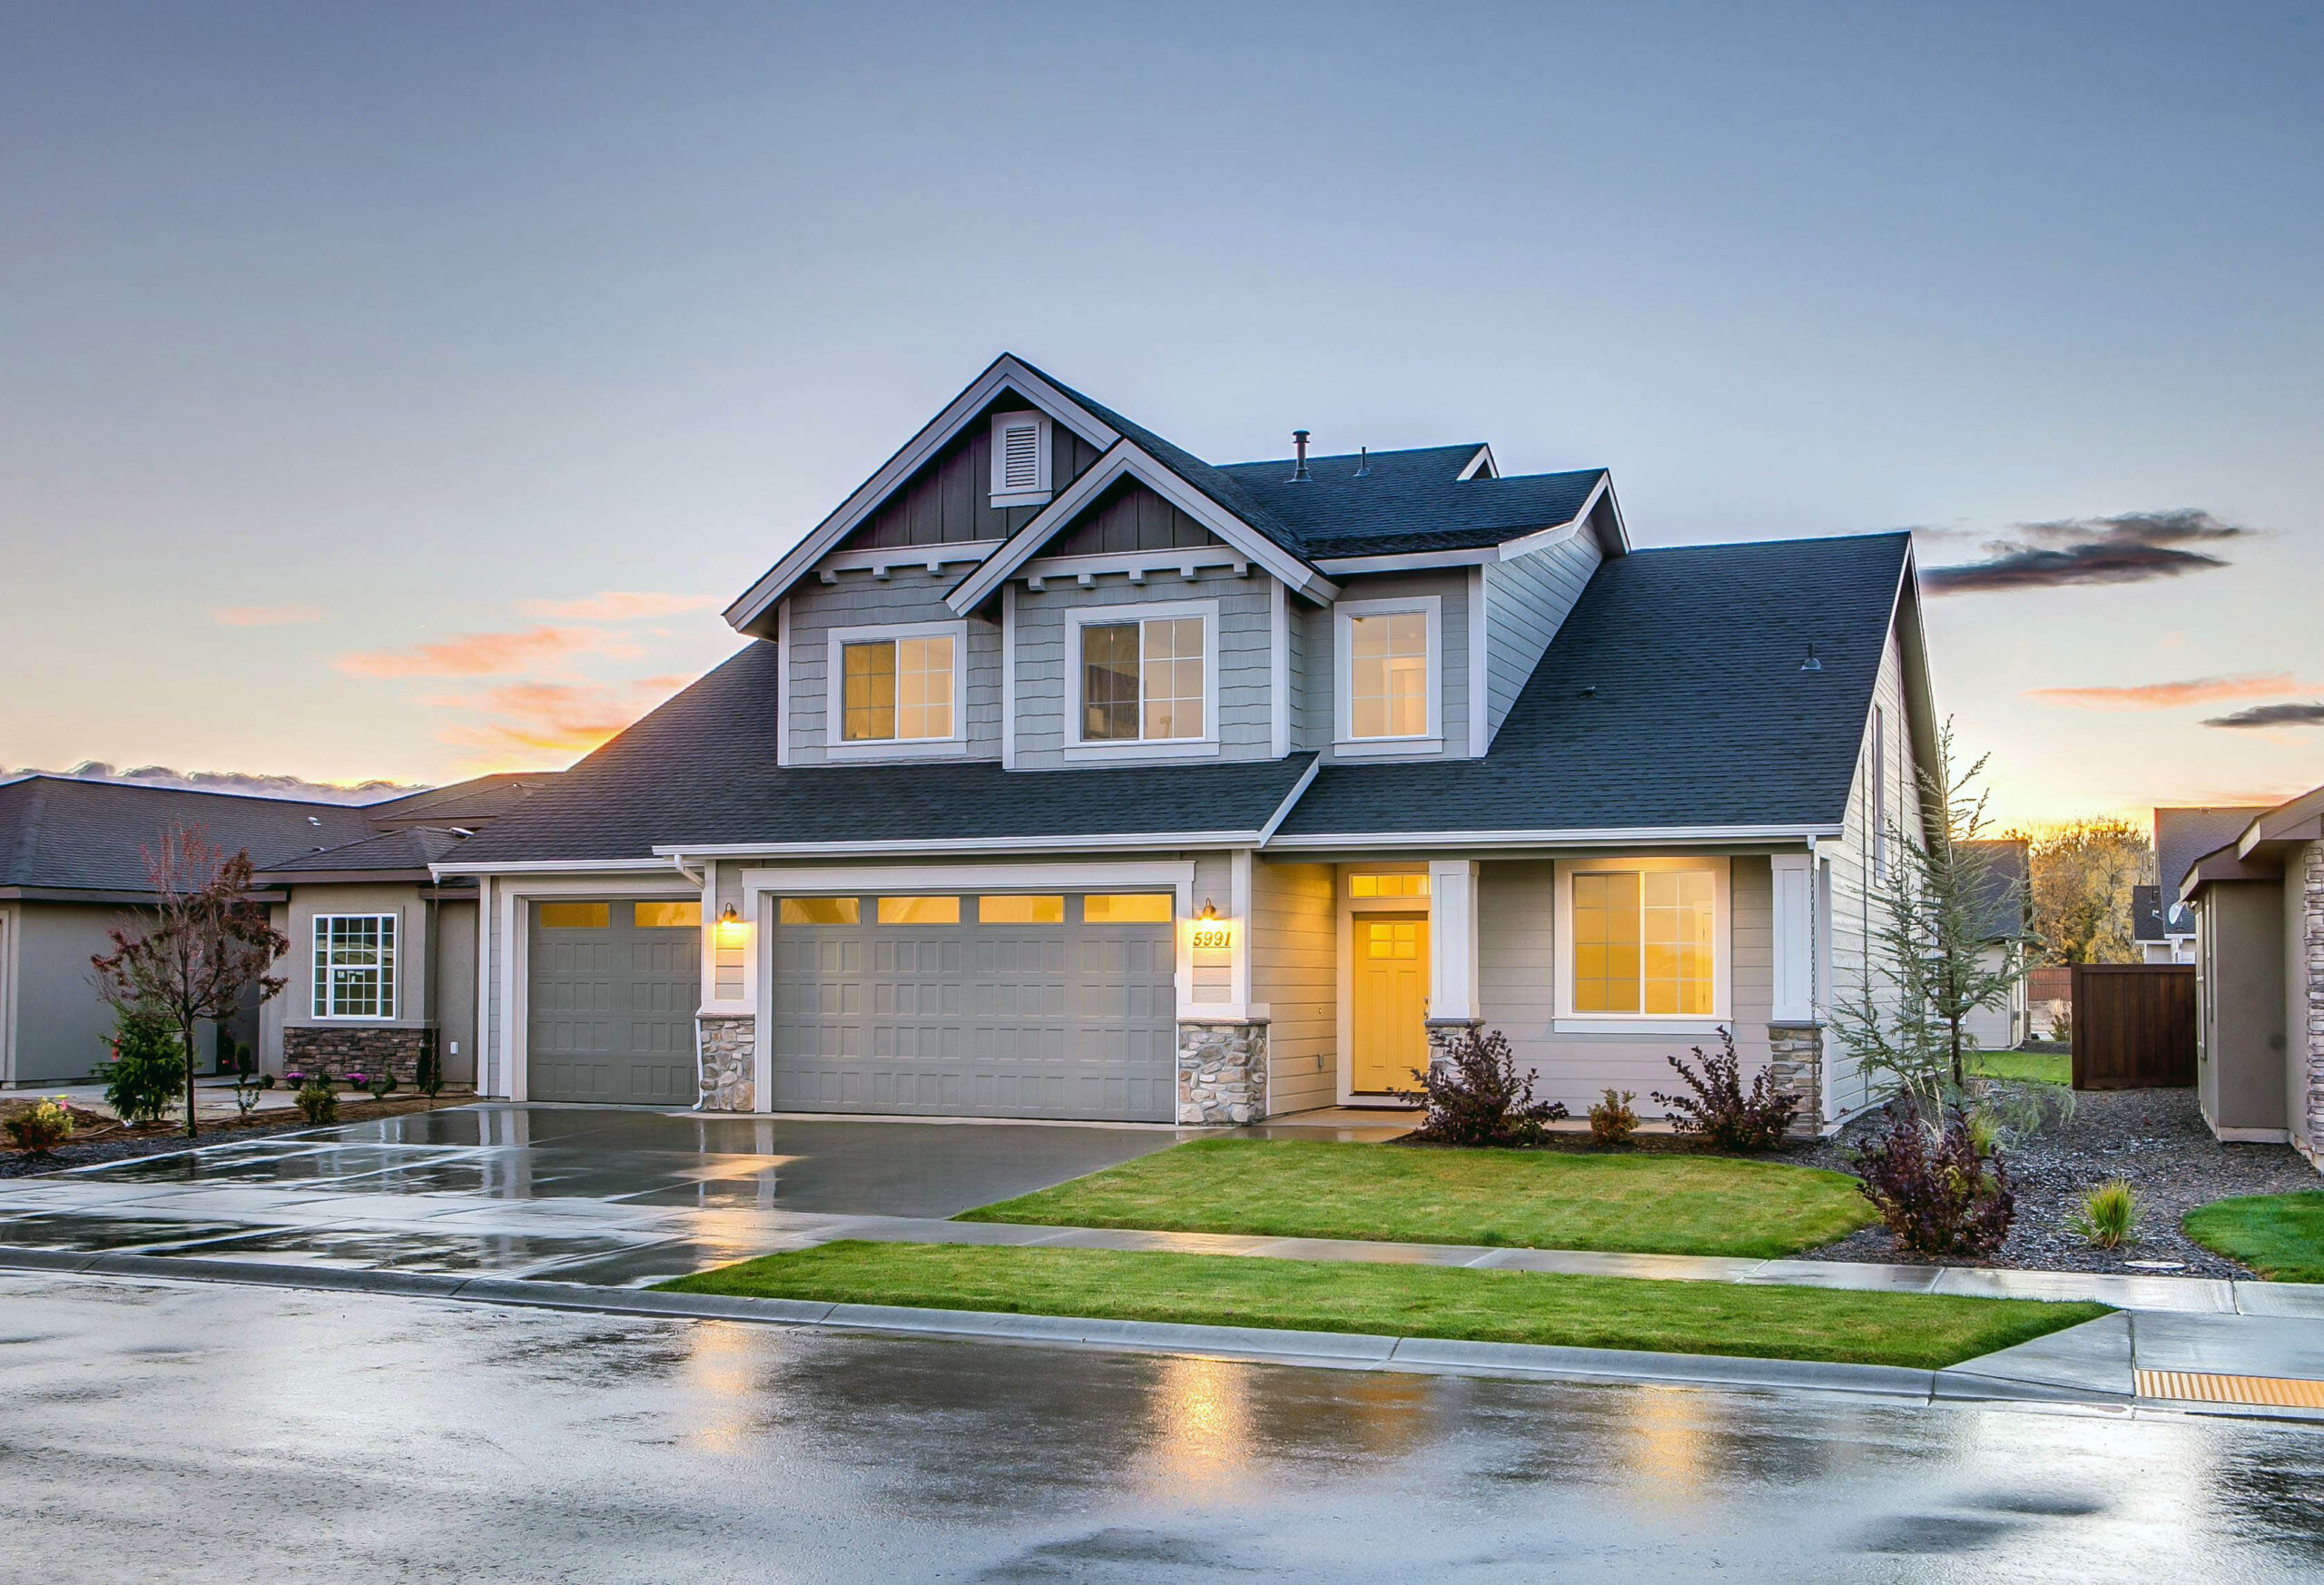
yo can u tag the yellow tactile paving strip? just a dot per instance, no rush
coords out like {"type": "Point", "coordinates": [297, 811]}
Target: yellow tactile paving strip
{"type": "Point", "coordinates": [2198, 1387]}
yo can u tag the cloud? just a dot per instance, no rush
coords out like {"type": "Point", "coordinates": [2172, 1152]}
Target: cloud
{"type": "Point", "coordinates": [265, 615]}
{"type": "Point", "coordinates": [556, 718]}
{"type": "Point", "coordinates": [2133, 547]}
{"type": "Point", "coordinates": [2292, 714]}
{"type": "Point", "coordinates": [473, 654]}
{"type": "Point", "coordinates": [229, 782]}
{"type": "Point", "coordinates": [2169, 695]}
{"type": "Point", "coordinates": [621, 605]}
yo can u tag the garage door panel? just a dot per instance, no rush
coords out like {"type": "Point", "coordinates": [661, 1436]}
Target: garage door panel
{"type": "Point", "coordinates": [610, 1011]}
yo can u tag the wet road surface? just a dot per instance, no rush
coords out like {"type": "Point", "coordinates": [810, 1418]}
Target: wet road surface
{"type": "Point", "coordinates": [192, 1432]}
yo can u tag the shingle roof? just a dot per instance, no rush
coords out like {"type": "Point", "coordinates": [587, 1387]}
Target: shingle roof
{"type": "Point", "coordinates": [2008, 874]}
{"type": "Point", "coordinates": [412, 849]}
{"type": "Point", "coordinates": [59, 832]}
{"type": "Point", "coordinates": [1409, 501]}
{"type": "Point", "coordinates": [2146, 913]}
{"type": "Point", "coordinates": [701, 769]}
{"type": "Point", "coordinates": [460, 804]}
{"type": "Point", "coordinates": [1700, 713]}
{"type": "Point", "coordinates": [2183, 835]}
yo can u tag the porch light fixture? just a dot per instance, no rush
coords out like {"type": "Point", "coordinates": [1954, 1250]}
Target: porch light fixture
{"type": "Point", "coordinates": [1209, 910]}
{"type": "Point", "coordinates": [730, 927]}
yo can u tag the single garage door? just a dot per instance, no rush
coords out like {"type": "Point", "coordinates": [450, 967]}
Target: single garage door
{"type": "Point", "coordinates": [610, 1001]}
{"type": "Point", "coordinates": [976, 1006]}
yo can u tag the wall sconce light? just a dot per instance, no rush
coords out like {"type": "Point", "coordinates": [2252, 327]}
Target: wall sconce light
{"type": "Point", "coordinates": [731, 927]}
{"type": "Point", "coordinates": [1209, 910]}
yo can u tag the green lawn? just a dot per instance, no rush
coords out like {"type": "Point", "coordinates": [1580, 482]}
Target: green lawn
{"type": "Point", "coordinates": [2026, 1067]}
{"type": "Point", "coordinates": [2280, 1236]}
{"type": "Point", "coordinates": [1658, 1204]}
{"type": "Point", "coordinates": [1770, 1322]}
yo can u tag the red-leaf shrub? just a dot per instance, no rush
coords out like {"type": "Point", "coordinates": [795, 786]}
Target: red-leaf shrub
{"type": "Point", "coordinates": [1720, 1113]}
{"type": "Point", "coordinates": [1479, 1098]}
{"type": "Point", "coordinates": [1933, 1190]}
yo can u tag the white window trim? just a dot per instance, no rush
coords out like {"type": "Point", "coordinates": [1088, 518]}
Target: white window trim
{"type": "Point", "coordinates": [391, 958]}
{"type": "Point", "coordinates": [1345, 744]}
{"type": "Point", "coordinates": [1722, 955]}
{"type": "Point", "coordinates": [1076, 747]}
{"type": "Point", "coordinates": [835, 744]}
{"type": "Point", "coordinates": [1039, 496]}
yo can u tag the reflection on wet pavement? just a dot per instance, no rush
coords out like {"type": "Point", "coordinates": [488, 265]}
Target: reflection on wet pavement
{"type": "Point", "coordinates": [363, 1436]}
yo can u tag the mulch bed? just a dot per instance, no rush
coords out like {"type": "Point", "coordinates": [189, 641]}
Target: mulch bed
{"type": "Point", "coordinates": [100, 1138]}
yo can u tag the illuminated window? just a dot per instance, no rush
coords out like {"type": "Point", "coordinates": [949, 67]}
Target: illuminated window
{"type": "Point", "coordinates": [896, 689]}
{"type": "Point", "coordinates": [922, 911]}
{"type": "Point", "coordinates": [1142, 681]}
{"type": "Point", "coordinates": [574, 916]}
{"type": "Point", "coordinates": [666, 916]}
{"type": "Point", "coordinates": [1020, 910]}
{"type": "Point", "coordinates": [1126, 907]}
{"type": "Point", "coordinates": [818, 911]}
{"type": "Point", "coordinates": [1387, 886]}
{"type": "Point", "coordinates": [355, 965]}
{"type": "Point", "coordinates": [1643, 942]}
{"type": "Point", "coordinates": [1397, 939]}
{"type": "Point", "coordinates": [1388, 674]}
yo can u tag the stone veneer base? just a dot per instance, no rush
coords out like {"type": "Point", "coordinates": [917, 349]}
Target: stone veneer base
{"type": "Point", "coordinates": [1796, 1068]}
{"type": "Point", "coordinates": [1222, 1072]}
{"type": "Point", "coordinates": [723, 1043]}
{"type": "Point", "coordinates": [344, 1049]}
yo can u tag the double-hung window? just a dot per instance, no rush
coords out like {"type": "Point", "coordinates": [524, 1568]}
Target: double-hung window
{"type": "Point", "coordinates": [1643, 939]}
{"type": "Point", "coordinates": [896, 686]}
{"type": "Point", "coordinates": [1144, 678]}
{"type": "Point", "coordinates": [355, 966]}
{"type": "Point", "coordinates": [1388, 674]}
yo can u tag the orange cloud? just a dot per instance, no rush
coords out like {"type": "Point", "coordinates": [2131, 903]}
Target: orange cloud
{"type": "Point", "coordinates": [473, 654]}
{"type": "Point", "coordinates": [265, 615]}
{"type": "Point", "coordinates": [552, 718]}
{"type": "Point", "coordinates": [2169, 695]}
{"type": "Point", "coordinates": [621, 605]}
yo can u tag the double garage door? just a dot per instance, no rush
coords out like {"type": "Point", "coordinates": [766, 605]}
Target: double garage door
{"type": "Point", "coordinates": [959, 1005]}
{"type": "Point", "coordinates": [975, 1006]}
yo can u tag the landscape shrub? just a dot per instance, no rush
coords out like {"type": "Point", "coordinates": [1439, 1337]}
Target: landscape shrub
{"type": "Point", "coordinates": [39, 1129]}
{"type": "Point", "coordinates": [1720, 1113]}
{"type": "Point", "coordinates": [381, 1085]}
{"type": "Point", "coordinates": [318, 1101]}
{"type": "Point", "coordinates": [2108, 1215]}
{"type": "Point", "coordinates": [1935, 1195]}
{"type": "Point", "coordinates": [1612, 1121]}
{"type": "Point", "coordinates": [148, 1069]}
{"type": "Point", "coordinates": [427, 1076]}
{"type": "Point", "coordinates": [1479, 1098]}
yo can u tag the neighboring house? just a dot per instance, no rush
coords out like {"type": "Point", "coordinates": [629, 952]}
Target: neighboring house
{"type": "Point", "coordinates": [2162, 927]}
{"type": "Point", "coordinates": [1068, 775]}
{"type": "Point", "coordinates": [73, 866]}
{"type": "Point", "coordinates": [2259, 905]}
{"type": "Point", "coordinates": [2007, 910]}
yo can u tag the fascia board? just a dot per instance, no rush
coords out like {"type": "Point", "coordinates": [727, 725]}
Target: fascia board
{"type": "Point", "coordinates": [1586, 837]}
{"type": "Point", "coordinates": [1416, 561]}
{"type": "Point", "coordinates": [1004, 373]}
{"type": "Point", "coordinates": [655, 866]}
{"type": "Point", "coordinates": [1127, 457]}
{"type": "Point", "coordinates": [1143, 841]}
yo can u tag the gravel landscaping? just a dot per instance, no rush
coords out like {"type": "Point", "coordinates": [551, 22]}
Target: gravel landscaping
{"type": "Point", "coordinates": [2155, 1138]}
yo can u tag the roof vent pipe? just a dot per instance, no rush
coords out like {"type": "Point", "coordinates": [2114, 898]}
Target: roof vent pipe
{"type": "Point", "coordinates": [1299, 445]}
{"type": "Point", "coordinates": [1811, 664]}
{"type": "Point", "coordinates": [1362, 461]}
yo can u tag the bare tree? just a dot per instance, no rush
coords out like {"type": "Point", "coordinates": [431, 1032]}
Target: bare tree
{"type": "Point", "coordinates": [204, 946]}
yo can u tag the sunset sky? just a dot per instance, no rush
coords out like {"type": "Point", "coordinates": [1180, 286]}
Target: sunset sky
{"type": "Point", "coordinates": [400, 393]}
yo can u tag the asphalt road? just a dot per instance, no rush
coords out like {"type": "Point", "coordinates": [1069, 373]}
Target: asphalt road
{"type": "Point", "coordinates": [193, 1432]}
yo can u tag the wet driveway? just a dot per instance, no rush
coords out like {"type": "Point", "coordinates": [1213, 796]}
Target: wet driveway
{"type": "Point", "coordinates": [593, 1194]}
{"type": "Point", "coordinates": [204, 1432]}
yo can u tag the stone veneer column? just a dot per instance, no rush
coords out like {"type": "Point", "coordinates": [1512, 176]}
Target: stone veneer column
{"type": "Point", "coordinates": [725, 1044]}
{"type": "Point", "coordinates": [1443, 1036]}
{"type": "Point", "coordinates": [2310, 881]}
{"type": "Point", "coordinates": [1796, 1068]}
{"type": "Point", "coordinates": [1221, 1071]}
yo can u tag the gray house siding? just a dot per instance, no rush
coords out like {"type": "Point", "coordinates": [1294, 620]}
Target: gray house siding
{"type": "Point", "coordinates": [61, 1028]}
{"type": "Point", "coordinates": [1129, 516]}
{"type": "Point", "coordinates": [860, 600]}
{"type": "Point", "coordinates": [1854, 888]}
{"type": "Point", "coordinates": [1317, 722]}
{"type": "Point", "coordinates": [1295, 973]}
{"type": "Point", "coordinates": [950, 500]}
{"type": "Point", "coordinates": [1526, 601]}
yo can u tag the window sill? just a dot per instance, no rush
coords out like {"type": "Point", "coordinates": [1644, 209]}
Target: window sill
{"type": "Point", "coordinates": [1385, 748]}
{"type": "Point", "coordinates": [1021, 499]}
{"type": "Point", "coordinates": [1639, 1025]}
{"type": "Point", "coordinates": [897, 749]}
{"type": "Point", "coordinates": [1165, 749]}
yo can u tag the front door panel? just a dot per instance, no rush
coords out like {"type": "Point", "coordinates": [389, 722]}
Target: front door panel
{"type": "Point", "coordinates": [1391, 1001]}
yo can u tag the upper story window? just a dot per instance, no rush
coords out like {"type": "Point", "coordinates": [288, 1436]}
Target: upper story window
{"type": "Point", "coordinates": [355, 966]}
{"type": "Point", "coordinates": [1147, 674]}
{"type": "Point", "coordinates": [896, 685]}
{"type": "Point", "coordinates": [1389, 675]}
{"type": "Point", "coordinates": [1020, 459]}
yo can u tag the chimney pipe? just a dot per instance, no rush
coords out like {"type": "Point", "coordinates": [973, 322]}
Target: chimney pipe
{"type": "Point", "coordinates": [1299, 444]}
{"type": "Point", "coordinates": [1362, 461]}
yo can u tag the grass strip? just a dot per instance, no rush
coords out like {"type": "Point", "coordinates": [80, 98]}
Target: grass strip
{"type": "Point", "coordinates": [1533, 1199]}
{"type": "Point", "coordinates": [2280, 1236]}
{"type": "Point", "coordinates": [2024, 1066]}
{"type": "Point", "coordinates": [1760, 1322]}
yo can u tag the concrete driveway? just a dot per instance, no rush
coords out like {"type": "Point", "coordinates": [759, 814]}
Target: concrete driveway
{"type": "Point", "coordinates": [595, 1194]}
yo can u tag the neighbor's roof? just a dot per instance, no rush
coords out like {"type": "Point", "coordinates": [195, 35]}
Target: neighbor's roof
{"type": "Point", "coordinates": [1672, 697]}
{"type": "Point", "coordinates": [2150, 918]}
{"type": "Point", "coordinates": [2183, 835]}
{"type": "Point", "coordinates": [700, 772]}
{"type": "Point", "coordinates": [460, 804]}
{"type": "Point", "coordinates": [64, 834]}
{"type": "Point", "coordinates": [2007, 879]}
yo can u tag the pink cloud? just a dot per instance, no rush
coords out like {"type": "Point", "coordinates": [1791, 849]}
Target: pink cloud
{"type": "Point", "coordinates": [473, 654]}
{"type": "Point", "coordinates": [562, 719]}
{"type": "Point", "coordinates": [2169, 696]}
{"type": "Point", "coordinates": [621, 605]}
{"type": "Point", "coordinates": [265, 615]}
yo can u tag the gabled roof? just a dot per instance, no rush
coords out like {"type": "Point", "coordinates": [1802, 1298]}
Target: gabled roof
{"type": "Point", "coordinates": [460, 804]}
{"type": "Point", "coordinates": [1410, 501]}
{"type": "Point", "coordinates": [2008, 880]}
{"type": "Point", "coordinates": [1671, 701]}
{"type": "Point", "coordinates": [2183, 835]}
{"type": "Point", "coordinates": [648, 789]}
{"type": "Point", "coordinates": [60, 833]}
{"type": "Point", "coordinates": [406, 850]}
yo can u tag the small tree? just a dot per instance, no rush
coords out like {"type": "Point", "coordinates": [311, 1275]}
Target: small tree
{"type": "Point", "coordinates": [204, 947]}
{"type": "Point", "coordinates": [1929, 942]}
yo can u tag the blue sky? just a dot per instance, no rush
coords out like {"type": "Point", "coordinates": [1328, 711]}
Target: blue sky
{"type": "Point", "coordinates": [350, 359]}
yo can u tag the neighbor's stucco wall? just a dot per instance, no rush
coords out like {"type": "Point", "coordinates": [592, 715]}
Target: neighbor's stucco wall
{"type": "Point", "coordinates": [2002, 1025]}
{"type": "Point", "coordinates": [1295, 973]}
{"type": "Point", "coordinates": [2240, 1069]}
{"type": "Point", "coordinates": [455, 1001]}
{"type": "Point", "coordinates": [2302, 948]}
{"type": "Point", "coordinates": [63, 1029]}
{"type": "Point", "coordinates": [296, 966]}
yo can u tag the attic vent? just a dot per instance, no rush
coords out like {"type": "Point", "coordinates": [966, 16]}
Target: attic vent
{"type": "Point", "coordinates": [1020, 459]}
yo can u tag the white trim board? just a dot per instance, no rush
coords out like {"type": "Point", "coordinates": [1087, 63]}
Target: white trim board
{"type": "Point", "coordinates": [1344, 613]}
{"type": "Point", "coordinates": [1122, 613]}
{"type": "Point", "coordinates": [1566, 1020]}
{"type": "Point", "coordinates": [1609, 836]}
{"type": "Point", "coordinates": [838, 748]}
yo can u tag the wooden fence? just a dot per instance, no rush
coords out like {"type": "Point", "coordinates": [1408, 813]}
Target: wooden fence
{"type": "Point", "coordinates": [2133, 1025]}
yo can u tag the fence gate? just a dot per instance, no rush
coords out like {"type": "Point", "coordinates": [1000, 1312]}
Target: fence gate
{"type": "Point", "coordinates": [2133, 1025]}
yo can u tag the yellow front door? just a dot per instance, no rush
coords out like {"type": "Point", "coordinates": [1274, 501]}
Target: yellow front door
{"type": "Point", "coordinates": [1391, 1001]}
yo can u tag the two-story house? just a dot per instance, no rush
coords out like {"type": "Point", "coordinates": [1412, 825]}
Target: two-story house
{"type": "Point", "coordinates": [1069, 775]}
